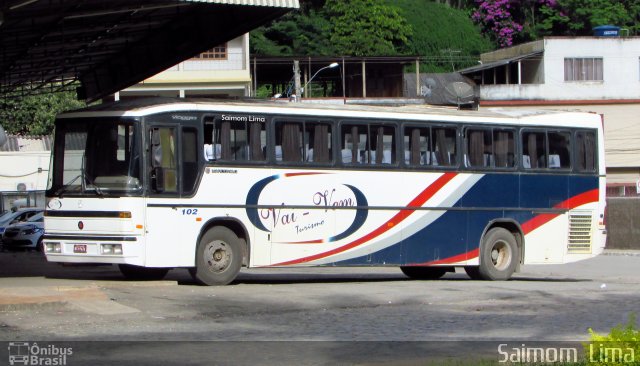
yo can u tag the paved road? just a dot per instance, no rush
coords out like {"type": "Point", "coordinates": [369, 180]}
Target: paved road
{"type": "Point", "coordinates": [47, 302]}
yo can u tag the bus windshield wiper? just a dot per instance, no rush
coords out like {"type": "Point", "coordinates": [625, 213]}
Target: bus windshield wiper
{"type": "Point", "coordinates": [65, 187]}
{"type": "Point", "coordinates": [97, 189]}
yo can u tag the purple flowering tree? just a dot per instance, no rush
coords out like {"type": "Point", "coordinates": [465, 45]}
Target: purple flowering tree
{"type": "Point", "coordinates": [495, 18]}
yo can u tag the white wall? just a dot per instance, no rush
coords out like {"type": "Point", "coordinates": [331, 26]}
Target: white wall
{"type": "Point", "coordinates": [621, 72]}
{"type": "Point", "coordinates": [28, 167]}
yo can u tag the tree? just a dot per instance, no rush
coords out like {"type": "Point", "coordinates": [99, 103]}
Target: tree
{"type": "Point", "coordinates": [35, 114]}
{"type": "Point", "coordinates": [444, 37]}
{"type": "Point", "coordinates": [497, 21]}
{"type": "Point", "coordinates": [579, 17]}
{"type": "Point", "coordinates": [366, 28]}
{"type": "Point", "coordinates": [305, 32]}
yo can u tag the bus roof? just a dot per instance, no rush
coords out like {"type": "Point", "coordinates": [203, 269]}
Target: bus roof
{"type": "Point", "coordinates": [149, 106]}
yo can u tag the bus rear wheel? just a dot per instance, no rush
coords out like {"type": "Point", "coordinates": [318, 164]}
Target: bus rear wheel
{"type": "Point", "coordinates": [218, 257]}
{"type": "Point", "coordinates": [499, 256]}
{"type": "Point", "coordinates": [138, 273]}
{"type": "Point", "coordinates": [424, 273]}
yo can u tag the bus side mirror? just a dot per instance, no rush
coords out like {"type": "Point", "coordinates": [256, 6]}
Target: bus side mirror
{"type": "Point", "coordinates": [157, 179]}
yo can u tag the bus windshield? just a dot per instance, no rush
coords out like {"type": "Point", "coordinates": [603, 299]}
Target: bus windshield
{"type": "Point", "coordinates": [97, 157]}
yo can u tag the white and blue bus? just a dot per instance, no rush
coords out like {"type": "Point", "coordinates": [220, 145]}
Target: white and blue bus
{"type": "Point", "coordinates": [211, 186]}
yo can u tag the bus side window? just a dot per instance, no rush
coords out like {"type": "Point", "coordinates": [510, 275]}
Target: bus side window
{"type": "Point", "coordinates": [317, 142]}
{"type": "Point", "coordinates": [586, 151]}
{"type": "Point", "coordinates": [382, 146]}
{"type": "Point", "coordinates": [236, 140]}
{"type": "Point", "coordinates": [503, 148]}
{"type": "Point", "coordinates": [353, 139]}
{"type": "Point", "coordinates": [444, 146]}
{"type": "Point", "coordinates": [417, 146]}
{"type": "Point", "coordinates": [189, 159]}
{"type": "Point", "coordinates": [559, 150]}
{"type": "Point", "coordinates": [289, 141]}
{"type": "Point", "coordinates": [534, 150]}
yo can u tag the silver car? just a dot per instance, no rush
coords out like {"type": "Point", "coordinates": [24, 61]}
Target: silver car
{"type": "Point", "coordinates": [25, 235]}
{"type": "Point", "coordinates": [13, 217]}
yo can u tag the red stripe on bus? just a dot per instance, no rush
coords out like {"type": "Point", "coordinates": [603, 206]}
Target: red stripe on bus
{"type": "Point", "coordinates": [299, 174]}
{"type": "Point", "coordinates": [456, 258]}
{"type": "Point", "coordinates": [423, 197]}
{"type": "Point", "coordinates": [573, 202]}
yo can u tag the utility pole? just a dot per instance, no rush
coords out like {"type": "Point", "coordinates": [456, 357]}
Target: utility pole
{"type": "Point", "coordinates": [296, 78]}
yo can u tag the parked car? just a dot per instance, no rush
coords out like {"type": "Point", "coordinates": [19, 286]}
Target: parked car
{"type": "Point", "coordinates": [15, 216]}
{"type": "Point", "coordinates": [25, 235]}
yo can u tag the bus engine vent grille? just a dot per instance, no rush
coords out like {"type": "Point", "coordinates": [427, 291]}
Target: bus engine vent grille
{"type": "Point", "coordinates": [580, 232]}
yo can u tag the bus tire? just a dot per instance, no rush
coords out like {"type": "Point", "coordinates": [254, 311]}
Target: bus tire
{"type": "Point", "coordinates": [473, 272]}
{"type": "Point", "coordinates": [138, 273]}
{"type": "Point", "coordinates": [218, 257]}
{"type": "Point", "coordinates": [499, 255]}
{"type": "Point", "coordinates": [424, 273]}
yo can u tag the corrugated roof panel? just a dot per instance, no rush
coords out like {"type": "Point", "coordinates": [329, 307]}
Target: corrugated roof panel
{"type": "Point", "coordinates": [293, 4]}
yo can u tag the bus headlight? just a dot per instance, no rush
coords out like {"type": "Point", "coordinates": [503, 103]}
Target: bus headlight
{"type": "Point", "coordinates": [52, 247]}
{"type": "Point", "coordinates": [111, 248]}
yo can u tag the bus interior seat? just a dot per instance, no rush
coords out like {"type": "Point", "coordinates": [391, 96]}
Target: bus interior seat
{"type": "Point", "coordinates": [554, 161]}
{"type": "Point", "coordinates": [347, 157]}
{"type": "Point", "coordinates": [278, 152]}
{"type": "Point", "coordinates": [526, 162]}
{"type": "Point", "coordinates": [212, 151]}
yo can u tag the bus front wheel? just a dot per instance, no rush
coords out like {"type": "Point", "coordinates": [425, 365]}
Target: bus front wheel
{"type": "Point", "coordinates": [218, 257]}
{"type": "Point", "coordinates": [424, 273]}
{"type": "Point", "coordinates": [499, 256]}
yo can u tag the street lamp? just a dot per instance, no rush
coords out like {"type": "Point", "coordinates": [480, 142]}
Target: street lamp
{"type": "Point", "coordinates": [304, 88]}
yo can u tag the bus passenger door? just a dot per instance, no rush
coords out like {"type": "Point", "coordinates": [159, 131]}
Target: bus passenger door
{"type": "Point", "coordinates": [172, 229]}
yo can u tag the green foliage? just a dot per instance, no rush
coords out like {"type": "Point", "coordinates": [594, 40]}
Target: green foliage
{"type": "Point", "coordinates": [579, 17]}
{"type": "Point", "coordinates": [349, 28]}
{"type": "Point", "coordinates": [444, 36]}
{"type": "Point", "coordinates": [35, 114]}
{"type": "Point", "coordinates": [620, 347]}
{"type": "Point", "coordinates": [297, 33]}
{"type": "Point", "coordinates": [366, 27]}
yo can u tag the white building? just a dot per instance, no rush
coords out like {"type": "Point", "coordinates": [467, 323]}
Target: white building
{"type": "Point", "coordinates": [220, 72]}
{"type": "Point", "coordinates": [594, 74]}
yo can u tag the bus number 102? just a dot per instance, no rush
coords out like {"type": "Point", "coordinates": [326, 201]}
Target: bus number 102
{"type": "Point", "coordinates": [189, 211]}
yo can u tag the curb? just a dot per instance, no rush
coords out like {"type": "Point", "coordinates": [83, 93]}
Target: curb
{"type": "Point", "coordinates": [622, 252]}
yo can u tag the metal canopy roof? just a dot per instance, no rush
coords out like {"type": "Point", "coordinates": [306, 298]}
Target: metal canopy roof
{"type": "Point", "coordinates": [103, 46]}
{"type": "Point", "coordinates": [494, 64]}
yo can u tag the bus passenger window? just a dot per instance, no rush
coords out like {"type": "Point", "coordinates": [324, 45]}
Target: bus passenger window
{"type": "Point", "coordinates": [478, 148]}
{"type": "Point", "coordinates": [504, 149]}
{"type": "Point", "coordinates": [289, 139]}
{"type": "Point", "coordinates": [353, 139]}
{"type": "Point", "coordinates": [586, 151]}
{"type": "Point", "coordinates": [444, 146]}
{"type": "Point", "coordinates": [417, 146]}
{"type": "Point", "coordinates": [559, 150]}
{"type": "Point", "coordinates": [534, 150]}
{"type": "Point", "coordinates": [317, 142]}
{"type": "Point", "coordinates": [236, 139]}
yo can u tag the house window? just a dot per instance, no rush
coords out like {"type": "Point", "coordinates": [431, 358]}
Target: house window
{"type": "Point", "coordinates": [583, 69]}
{"type": "Point", "coordinates": [216, 53]}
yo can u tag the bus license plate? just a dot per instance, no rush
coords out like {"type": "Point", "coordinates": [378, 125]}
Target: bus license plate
{"type": "Point", "coordinates": [80, 248]}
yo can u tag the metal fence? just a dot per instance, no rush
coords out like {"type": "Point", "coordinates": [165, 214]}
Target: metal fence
{"type": "Point", "coordinates": [623, 223]}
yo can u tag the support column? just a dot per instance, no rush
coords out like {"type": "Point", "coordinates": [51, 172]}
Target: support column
{"type": "Point", "coordinates": [418, 77]}
{"type": "Point", "coordinates": [364, 79]}
{"type": "Point", "coordinates": [519, 72]}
